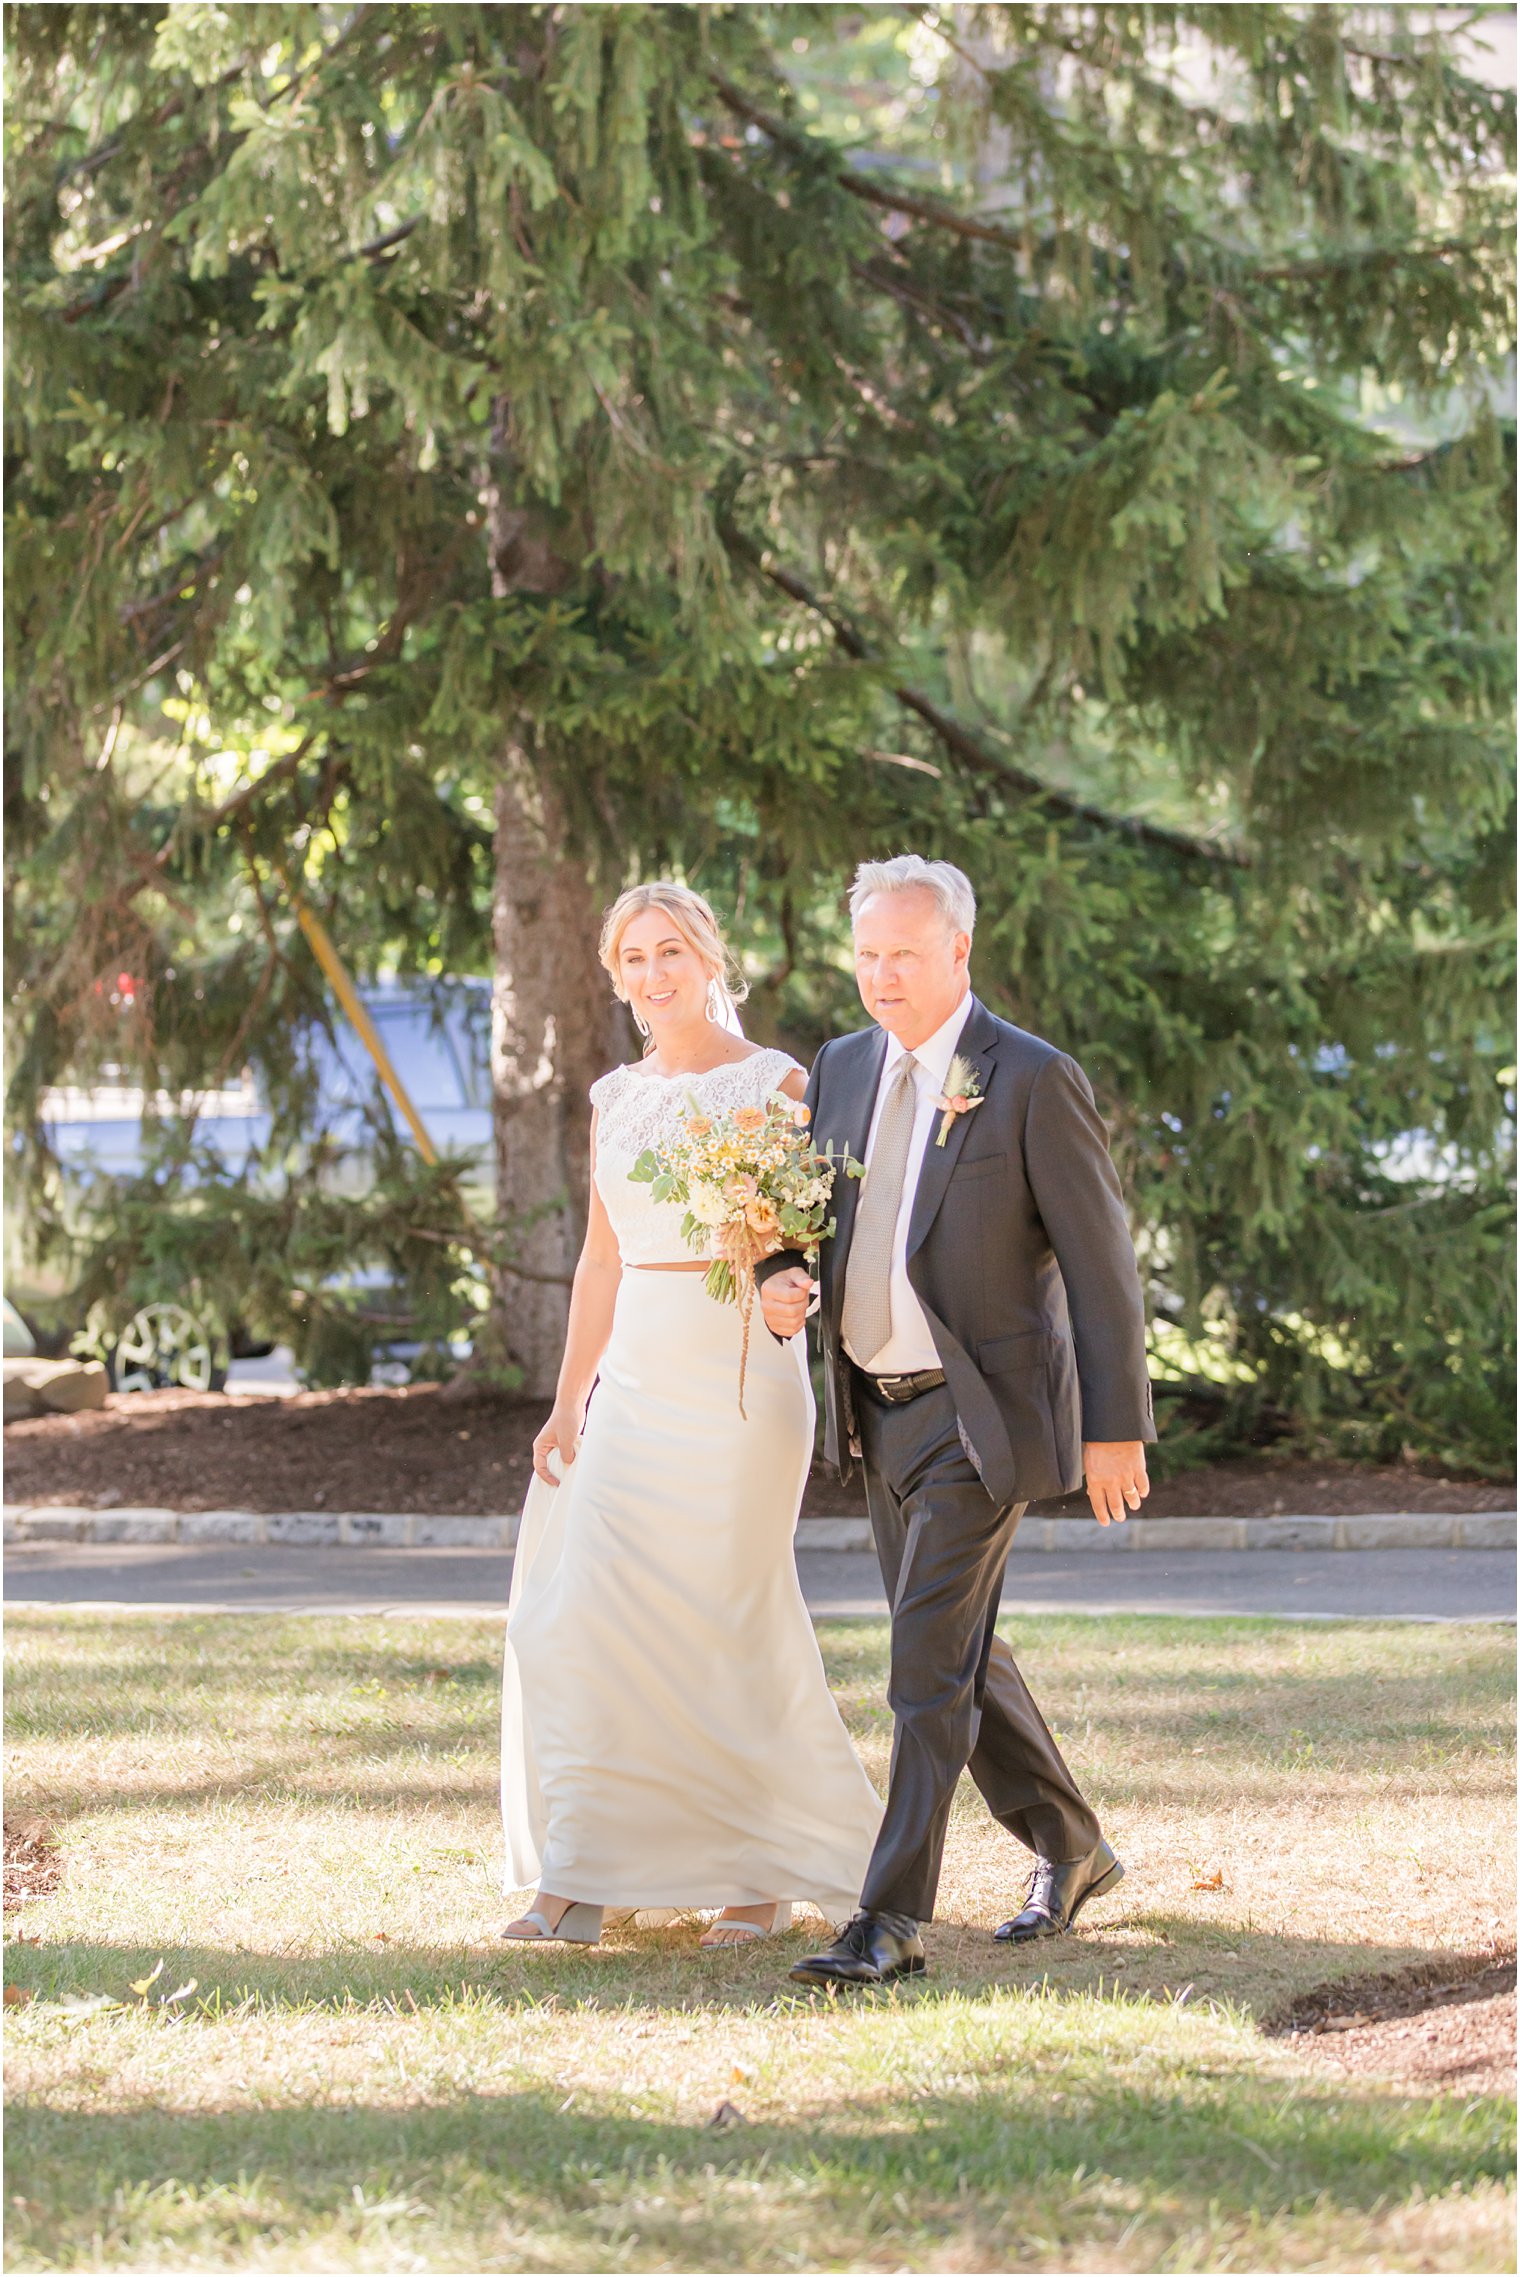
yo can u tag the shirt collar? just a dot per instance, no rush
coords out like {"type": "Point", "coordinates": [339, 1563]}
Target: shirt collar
{"type": "Point", "coordinates": [936, 1052]}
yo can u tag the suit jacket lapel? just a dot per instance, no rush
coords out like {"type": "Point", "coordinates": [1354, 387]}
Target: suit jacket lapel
{"type": "Point", "coordinates": [978, 1044]}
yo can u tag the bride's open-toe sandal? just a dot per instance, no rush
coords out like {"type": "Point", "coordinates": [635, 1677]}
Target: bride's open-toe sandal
{"type": "Point", "coordinates": [726, 1934]}
{"type": "Point", "coordinates": [577, 1925]}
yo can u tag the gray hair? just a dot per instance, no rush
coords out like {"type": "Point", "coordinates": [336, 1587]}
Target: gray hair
{"type": "Point", "coordinates": [950, 887]}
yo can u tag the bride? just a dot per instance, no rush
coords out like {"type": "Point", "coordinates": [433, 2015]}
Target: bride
{"type": "Point", "coordinates": [668, 1736]}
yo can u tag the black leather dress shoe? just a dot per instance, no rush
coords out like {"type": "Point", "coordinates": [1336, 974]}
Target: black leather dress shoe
{"type": "Point", "coordinates": [1058, 1892]}
{"type": "Point", "coordinates": [875, 1948]}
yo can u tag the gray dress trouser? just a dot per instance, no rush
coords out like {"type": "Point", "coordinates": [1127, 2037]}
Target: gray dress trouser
{"type": "Point", "coordinates": [957, 1696]}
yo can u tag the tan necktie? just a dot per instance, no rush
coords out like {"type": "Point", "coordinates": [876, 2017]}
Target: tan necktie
{"type": "Point", "coordinates": [868, 1276]}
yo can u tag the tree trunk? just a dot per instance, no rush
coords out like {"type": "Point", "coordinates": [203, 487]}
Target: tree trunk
{"type": "Point", "coordinates": [553, 1031]}
{"type": "Point", "coordinates": [554, 1025]}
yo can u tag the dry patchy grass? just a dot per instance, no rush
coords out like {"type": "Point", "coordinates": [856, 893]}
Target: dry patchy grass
{"type": "Point", "coordinates": [300, 1816]}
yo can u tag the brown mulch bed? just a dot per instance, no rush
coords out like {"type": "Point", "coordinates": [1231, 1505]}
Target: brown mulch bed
{"type": "Point", "coordinates": [1273, 1486]}
{"type": "Point", "coordinates": [1447, 2025]}
{"type": "Point", "coordinates": [33, 1868]}
{"type": "Point", "coordinates": [425, 1448]}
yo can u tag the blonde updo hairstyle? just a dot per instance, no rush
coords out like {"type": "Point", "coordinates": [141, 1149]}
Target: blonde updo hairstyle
{"type": "Point", "coordinates": [693, 919]}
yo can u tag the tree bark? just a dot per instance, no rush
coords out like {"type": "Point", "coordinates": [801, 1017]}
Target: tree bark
{"type": "Point", "coordinates": [554, 1026]}
{"type": "Point", "coordinates": [553, 1031]}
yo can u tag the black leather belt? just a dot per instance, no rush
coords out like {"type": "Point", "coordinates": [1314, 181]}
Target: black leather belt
{"type": "Point", "coordinates": [896, 1389]}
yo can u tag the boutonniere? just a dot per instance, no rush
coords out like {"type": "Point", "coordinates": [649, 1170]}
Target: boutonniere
{"type": "Point", "coordinates": [962, 1092]}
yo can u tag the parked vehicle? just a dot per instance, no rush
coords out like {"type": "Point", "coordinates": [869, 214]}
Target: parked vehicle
{"type": "Point", "coordinates": [438, 1041]}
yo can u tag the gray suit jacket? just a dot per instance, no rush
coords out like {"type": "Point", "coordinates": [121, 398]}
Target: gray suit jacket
{"type": "Point", "coordinates": [1018, 1251]}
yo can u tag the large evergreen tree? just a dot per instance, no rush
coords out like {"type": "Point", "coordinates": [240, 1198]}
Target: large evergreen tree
{"type": "Point", "coordinates": [469, 455]}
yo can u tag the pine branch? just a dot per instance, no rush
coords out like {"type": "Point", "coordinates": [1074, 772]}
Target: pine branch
{"type": "Point", "coordinates": [183, 588]}
{"type": "Point", "coordinates": [883, 274]}
{"type": "Point", "coordinates": [232, 809]}
{"type": "Point", "coordinates": [247, 1024]}
{"type": "Point", "coordinates": [1373, 257]}
{"type": "Point", "coordinates": [298, 84]}
{"type": "Point", "coordinates": [860, 185]}
{"type": "Point", "coordinates": [1406, 63]}
{"type": "Point", "coordinates": [959, 740]}
{"type": "Point", "coordinates": [172, 105]}
{"type": "Point", "coordinates": [91, 303]}
{"type": "Point", "coordinates": [419, 586]}
{"type": "Point", "coordinates": [168, 109]}
{"type": "Point", "coordinates": [392, 237]}
{"type": "Point", "coordinates": [939, 216]}
{"type": "Point", "coordinates": [150, 671]}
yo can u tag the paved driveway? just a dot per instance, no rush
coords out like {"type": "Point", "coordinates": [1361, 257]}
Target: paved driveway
{"type": "Point", "coordinates": [1449, 1585]}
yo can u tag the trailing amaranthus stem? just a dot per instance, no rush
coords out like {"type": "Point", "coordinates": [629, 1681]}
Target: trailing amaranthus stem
{"type": "Point", "coordinates": [731, 1279]}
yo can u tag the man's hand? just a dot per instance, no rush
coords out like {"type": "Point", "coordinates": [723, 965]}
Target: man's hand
{"type": "Point", "coordinates": [1115, 1471]}
{"type": "Point", "coordinates": [784, 1299]}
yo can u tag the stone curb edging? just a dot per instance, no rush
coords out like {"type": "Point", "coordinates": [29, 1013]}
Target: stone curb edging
{"type": "Point", "coordinates": [416, 1530]}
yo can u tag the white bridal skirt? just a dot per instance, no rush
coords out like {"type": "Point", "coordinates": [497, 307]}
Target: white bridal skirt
{"type": "Point", "coordinates": [668, 1735]}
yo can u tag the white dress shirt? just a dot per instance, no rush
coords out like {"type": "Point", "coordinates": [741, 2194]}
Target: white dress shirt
{"type": "Point", "coordinates": [910, 1347]}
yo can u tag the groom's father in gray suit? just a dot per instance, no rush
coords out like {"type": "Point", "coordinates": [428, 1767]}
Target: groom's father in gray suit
{"type": "Point", "coordinates": [983, 1344]}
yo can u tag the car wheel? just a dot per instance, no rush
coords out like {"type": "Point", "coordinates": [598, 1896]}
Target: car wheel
{"type": "Point", "coordinates": [167, 1346]}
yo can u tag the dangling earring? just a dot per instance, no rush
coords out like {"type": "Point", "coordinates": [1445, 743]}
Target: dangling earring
{"type": "Point", "coordinates": [715, 1002]}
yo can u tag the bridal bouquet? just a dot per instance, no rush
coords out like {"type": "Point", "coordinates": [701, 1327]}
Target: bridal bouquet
{"type": "Point", "coordinates": [752, 1182]}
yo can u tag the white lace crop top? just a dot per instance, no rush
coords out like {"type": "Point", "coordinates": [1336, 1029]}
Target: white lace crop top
{"type": "Point", "coordinates": [636, 1109]}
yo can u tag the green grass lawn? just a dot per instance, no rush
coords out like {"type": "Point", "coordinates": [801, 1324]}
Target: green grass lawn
{"type": "Point", "coordinates": [300, 1817]}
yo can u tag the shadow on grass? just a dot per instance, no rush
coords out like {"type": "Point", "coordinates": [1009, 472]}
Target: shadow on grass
{"type": "Point", "coordinates": [664, 1971]}
{"type": "Point", "coordinates": [322, 1782]}
{"type": "Point", "coordinates": [346, 1773]}
{"type": "Point", "coordinates": [570, 2178]}
{"type": "Point", "coordinates": [435, 1697]}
